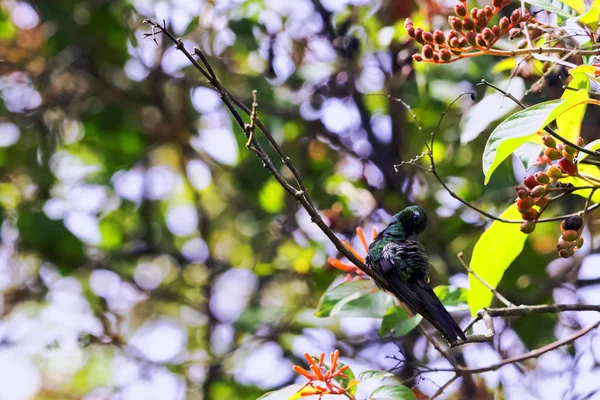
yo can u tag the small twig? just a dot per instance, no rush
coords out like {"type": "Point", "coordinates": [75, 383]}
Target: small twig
{"type": "Point", "coordinates": [489, 325]}
{"type": "Point", "coordinates": [253, 115]}
{"type": "Point", "coordinates": [444, 386]}
{"type": "Point", "coordinates": [487, 285]}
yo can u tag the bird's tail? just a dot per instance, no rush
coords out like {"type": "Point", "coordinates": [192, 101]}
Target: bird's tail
{"type": "Point", "coordinates": [422, 299]}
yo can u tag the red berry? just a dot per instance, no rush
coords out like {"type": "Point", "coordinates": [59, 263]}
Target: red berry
{"type": "Point", "coordinates": [427, 51]}
{"type": "Point", "coordinates": [468, 24]}
{"type": "Point", "coordinates": [445, 55]}
{"type": "Point", "coordinates": [504, 23]}
{"type": "Point", "coordinates": [460, 10]}
{"type": "Point", "coordinates": [417, 57]}
{"type": "Point", "coordinates": [530, 215]}
{"type": "Point", "coordinates": [522, 193]}
{"type": "Point", "coordinates": [567, 166]}
{"type": "Point", "coordinates": [525, 204]}
{"type": "Point", "coordinates": [515, 17]}
{"type": "Point", "coordinates": [428, 37]}
{"type": "Point", "coordinates": [530, 181]}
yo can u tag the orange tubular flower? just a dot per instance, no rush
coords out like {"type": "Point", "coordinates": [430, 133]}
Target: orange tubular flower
{"type": "Point", "coordinates": [353, 272]}
{"type": "Point", "coordinates": [322, 379]}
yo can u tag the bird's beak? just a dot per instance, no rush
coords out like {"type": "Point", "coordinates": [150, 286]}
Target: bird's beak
{"type": "Point", "coordinates": [414, 237]}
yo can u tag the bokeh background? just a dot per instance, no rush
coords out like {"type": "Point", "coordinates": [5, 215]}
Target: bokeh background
{"type": "Point", "coordinates": [146, 254]}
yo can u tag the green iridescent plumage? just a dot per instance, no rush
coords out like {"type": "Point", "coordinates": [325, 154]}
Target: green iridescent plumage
{"type": "Point", "coordinates": [399, 265]}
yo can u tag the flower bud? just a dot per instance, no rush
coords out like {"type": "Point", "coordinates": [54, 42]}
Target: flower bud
{"type": "Point", "coordinates": [515, 17]}
{"type": "Point", "coordinates": [468, 24]}
{"type": "Point", "coordinates": [496, 31]}
{"type": "Point", "coordinates": [411, 31]}
{"type": "Point", "coordinates": [580, 141]}
{"type": "Point", "coordinates": [460, 10]}
{"type": "Point", "coordinates": [453, 42]}
{"type": "Point", "coordinates": [427, 51]}
{"type": "Point", "coordinates": [497, 3]}
{"type": "Point", "coordinates": [487, 34]}
{"type": "Point", "coordinates": [474, 12]}
{"type": "Point", "coordinates": [504, 23]}
{"type": "Point", "coordinates": [462, 42]}
{"type": "Point", "coordinates": [488, 11]}
{"type": "Point", "coordinates": [417, 57]}
{"type": "Point", "coordinates": [568, 156]}
{"type": "Point", "coordinates": [445, 55]}
{"type": "Point", "coordinates": [435, 57]}
{"type": "Point", "coordinates": [455, 23]}
{"type": "Point", "coordinates": [419, 35]}
{"type": "Point", "coordinates": [480, 40]}
{"type": "Point", "coordinates": [471, 38]}
{"type": "Point", "coordinates": [427, 37]}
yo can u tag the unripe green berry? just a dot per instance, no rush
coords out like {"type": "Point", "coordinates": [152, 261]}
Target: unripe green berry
{"type": "Point", "coordinates": [527, 227]}
{"type": "Point", "coordinates": [570, 236]}
{"type": "Point", "coordinates": [538, 191]}
{"type": "Point", "coordinates": [548, 141]}
{"type": "Point", "coordinates": [554, 172]}
{"type": "Point", "coordinates": [568, 156]}
{"type": "Point", "coordinates": [542, 178]}
{"type": "Point", "coordinates": [552, 153]}
{"type": "Point", "coordinates": [569, 149]}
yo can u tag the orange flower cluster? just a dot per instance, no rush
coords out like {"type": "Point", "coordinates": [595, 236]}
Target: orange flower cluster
{"type": "Point", "coordinates": [352, 271]}
{"type": "Point", "coordinates": [321, 380]}
{"type": "Point", "coordinates": [470, 34]}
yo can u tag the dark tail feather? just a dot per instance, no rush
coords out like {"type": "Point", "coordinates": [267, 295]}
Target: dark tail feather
{"type": "Point", "coordinates": [421, 298]}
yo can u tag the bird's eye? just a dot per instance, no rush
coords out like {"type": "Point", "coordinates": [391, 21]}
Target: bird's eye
{"type": "Point", "coordinates": [416, 216]}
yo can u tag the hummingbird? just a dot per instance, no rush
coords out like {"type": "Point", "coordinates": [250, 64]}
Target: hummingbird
{"type": "Point", "coordinates": [399, 265]}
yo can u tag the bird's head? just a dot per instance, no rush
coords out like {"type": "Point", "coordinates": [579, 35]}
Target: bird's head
{"type": "Point", "coordinates": [408, 223]}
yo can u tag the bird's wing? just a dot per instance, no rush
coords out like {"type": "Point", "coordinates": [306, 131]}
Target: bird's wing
{"type": "Point", "coordinates": [405, 267]}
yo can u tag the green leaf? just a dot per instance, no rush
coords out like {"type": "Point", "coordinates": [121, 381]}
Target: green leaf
{"type": "Point", "coordinates": [346, 382]}
{"type": "Point", "coordinates": [354, 299]}
{"type": "Point", "coordinates": [555, 6]}
{"type": "Point", "coordinates": [577, 5]}
{"type": "Point", "coordinates": [192, 26]}
{"type": "Point", "coordinates": [392, 392]}
{"type": "Point", "coordinates": [398, 322]}
{"type": "Point", "coordinates": [590, 18]}
{"type": "Point", "coordinates": [287, 393]}
{"type": "Point", "coordinates": [528, 153]}
{"type": "Point", "coordinates": [592, 146]}
{"type": "Point", "coordinates": [586, 169]}
{"type": "Point", "coordinates": [495, 250]}
{"type": "Point", "coordinates": [514, 131]}
{"type": "Point", "coordinates": [373, 374]}
{"type": "Point", "coordinates": [451, 296]}
{"type": "Point", "coordinates": [272, 196]}
{"type": "Point", "coordinates": [569, 122]}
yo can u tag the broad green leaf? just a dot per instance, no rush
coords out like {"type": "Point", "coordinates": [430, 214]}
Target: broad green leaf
{"type": "Point", "coordinates": [495, 250]}
{"type": "Point", "coordinates": [513, 132]}
{"type": "Point", "coordinates": [521, 127]}
{"type": "Point", "coordinates": [272, 196]}
{"type": "Point", "coordinates": [354, 299]}
{"type": "Point", "coordinates": [392, 392]}
{"type": "Point", "coordinates": [489, 109]}
{"type": "Point", "coordinates": [451, 296]}
{"type": "Point", "coordinates": [590, 18]}
{"type": "Point", "coordinates": [528, 153]}
{"type": "Point", "coordinates": [577, 5]}
{"type": "Point", "coordinates": [585, 169]}
{"type": "Point", "coordinates": [287, 393]}
{"type": "Point", "coordinates": [373, 374]}
{"type": "Point", "coordinates": [592, 146]}
{"type": "Point", "coordinates": [398, 322]}
{"type": "Point", "coordinates": [555, 6]}
{"type": "Point", "coordinates": [569, 122]}
{"type": "Point", "coordinates": [584, 72]}
{"type": "Point", "coordinates": [504, 65]}
{"type": "Point", "coordinates": [194, 23]}
{"type": "Point", "coordinates": [348, 382]}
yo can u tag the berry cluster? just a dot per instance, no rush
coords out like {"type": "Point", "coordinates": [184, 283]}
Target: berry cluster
{"type": "Point", "coordinates": [470, 34]}
{"type": "Point", "coordinates": [532, 195]}
{"type": "Point", "coordinates": [571, 239]}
